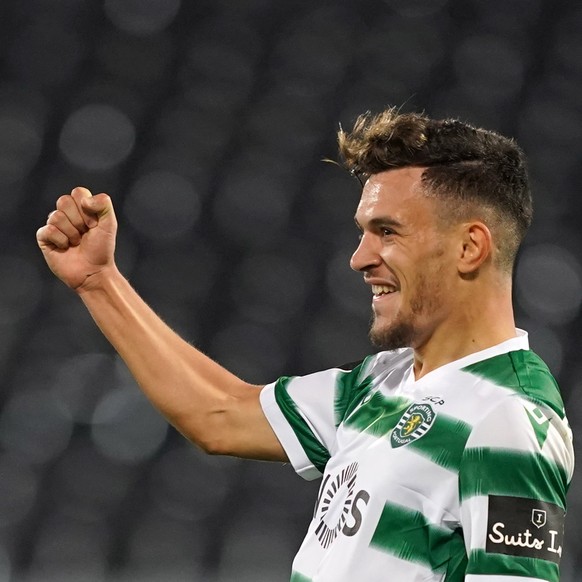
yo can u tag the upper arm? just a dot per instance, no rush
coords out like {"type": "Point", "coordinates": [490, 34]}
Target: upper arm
{"type": "Point", "coordinates": [513, 480]}
{"type": "Point", "coordinates": [294, 419]}
{"type": "Point", "coordinates": [240, 428]}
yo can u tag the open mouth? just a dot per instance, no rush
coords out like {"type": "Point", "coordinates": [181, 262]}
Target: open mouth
{"type": "Point", "coordinates": [380, 290]}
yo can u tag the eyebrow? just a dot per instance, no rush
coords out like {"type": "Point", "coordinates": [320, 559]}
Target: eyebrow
{"type": "Point", "coordinates": [381, 221]}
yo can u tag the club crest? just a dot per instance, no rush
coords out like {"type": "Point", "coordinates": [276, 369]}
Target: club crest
{"type": "Point", "coordinates": [415, 422]}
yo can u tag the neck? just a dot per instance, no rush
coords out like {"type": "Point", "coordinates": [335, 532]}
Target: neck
{"type": "Point", "coordinates": [472, 326]}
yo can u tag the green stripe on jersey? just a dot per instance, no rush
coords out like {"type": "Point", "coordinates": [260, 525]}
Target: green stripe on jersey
{"type": "Point", "coordinates": [481, 562]}
{"type": "Point", "coordinates": [350, 388]}
{"type": "Point", "coordinates": [487, 471]}
{"type": "Point", "coordinates": [408, 535]}
{"type": "Point", "coordinates": [444, 442]}
{"type": "Point", "coordinates": [314, 450]}
{"type": "Point", "coordinates": [379, 415]}
{"type": "Point", "coordinates": [526, 373]}
{"type": "Point", "coordinates": [297, 577]}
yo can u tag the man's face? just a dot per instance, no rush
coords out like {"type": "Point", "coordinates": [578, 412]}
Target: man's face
{"type": "Point", "coordinates": [406, 257]}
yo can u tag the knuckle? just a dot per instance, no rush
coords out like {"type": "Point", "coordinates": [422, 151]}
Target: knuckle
{"type": "Point", "coordinates": [63, 201]}
{"type": "Point", "coordinates": [52, 231]}
{"type": "Point", "coordinates": [53, 217]}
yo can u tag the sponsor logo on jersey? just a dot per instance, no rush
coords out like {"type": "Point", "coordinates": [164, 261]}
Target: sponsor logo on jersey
{"type": "Point", "coordinates": [414, 424]}
{"type": "Point", "coordinates": [434, 399]}
{"type": "Point", "coordinates": [339, 506]}
{"type": "Point", "coordinates": [518, 526]}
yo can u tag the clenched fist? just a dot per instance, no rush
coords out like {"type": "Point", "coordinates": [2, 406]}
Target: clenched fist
{"type": "Point", "coordinates": [78, 239]}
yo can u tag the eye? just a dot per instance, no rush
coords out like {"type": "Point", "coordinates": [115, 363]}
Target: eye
{"type": "Point", "coordinates": [387, 231]}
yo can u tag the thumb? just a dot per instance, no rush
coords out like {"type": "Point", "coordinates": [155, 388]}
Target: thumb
{"type": "Point", "coordinates": [96, 209]}
{"type": "Point", "coordinates": [100, 204]}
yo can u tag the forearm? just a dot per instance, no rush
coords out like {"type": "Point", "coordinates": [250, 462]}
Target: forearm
{"type": "Point", "coordinates": [192, 391]}
{"type": "Point", "coordinates": [205, 402]}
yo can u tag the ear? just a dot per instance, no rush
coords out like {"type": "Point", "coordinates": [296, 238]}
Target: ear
{"type": "Point", "coordinates": [477, 246]}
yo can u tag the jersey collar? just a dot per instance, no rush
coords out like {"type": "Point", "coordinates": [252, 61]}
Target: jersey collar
{"type": "Point", "coordinates": [519, 342]}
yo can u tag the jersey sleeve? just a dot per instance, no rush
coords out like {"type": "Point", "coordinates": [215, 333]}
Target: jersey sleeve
{"type": "Point", "coordinates": [305, 412]}
{"type": "Point", "coordinates": [513, 479]}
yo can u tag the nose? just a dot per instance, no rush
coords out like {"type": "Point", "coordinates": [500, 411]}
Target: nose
{"type": "Point", "coordinates": [366, 256]}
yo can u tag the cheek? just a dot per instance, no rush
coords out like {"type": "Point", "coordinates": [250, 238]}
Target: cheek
{"type": "Point", "coordinates": [430, 283]}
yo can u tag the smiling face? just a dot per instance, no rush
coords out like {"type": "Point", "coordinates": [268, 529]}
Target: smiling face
{"type": "Point", "coordinates": [407, 256]}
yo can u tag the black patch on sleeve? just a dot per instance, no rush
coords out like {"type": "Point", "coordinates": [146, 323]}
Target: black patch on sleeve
{"type": "Point", "coordinates": [517, 526]}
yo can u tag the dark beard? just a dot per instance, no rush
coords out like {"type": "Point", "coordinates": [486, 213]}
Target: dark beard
{"type": "Point", "coordinates": [404, 332]}
{"type": "Point", "coordinates": [399, 335]}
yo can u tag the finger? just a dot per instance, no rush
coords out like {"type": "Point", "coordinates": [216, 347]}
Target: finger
{"type": "Point", "coordinates": [62, 222]}
{"type": "Point", "coordinates": [67, 204]}
{"type": "Point", "coordinates": [80, 195]}
{"type": "Point", "coordinates": [50, 236]}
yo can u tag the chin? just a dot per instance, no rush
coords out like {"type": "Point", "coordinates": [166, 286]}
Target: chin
{"type": "Point", "coordinates": [392, 336]}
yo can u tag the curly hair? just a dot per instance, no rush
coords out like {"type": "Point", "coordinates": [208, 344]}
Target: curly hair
{"type": "Point", "coordinates": [476, 172]}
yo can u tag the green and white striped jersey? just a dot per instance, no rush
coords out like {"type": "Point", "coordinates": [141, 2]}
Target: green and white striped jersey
{"type": "Point", "coordinates": [460, 475]}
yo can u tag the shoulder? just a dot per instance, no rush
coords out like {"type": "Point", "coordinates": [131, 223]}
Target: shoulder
{"type": "Point", "coordinates": [523, 416]}
{"type": "Point", "coordinates": [520, 373]}
{"type": "Point", "coordinates": [373, 368]}
{"type": "Point", "coordinates": [355, 381]}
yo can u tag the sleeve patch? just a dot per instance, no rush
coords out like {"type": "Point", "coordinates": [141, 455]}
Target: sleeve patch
{"type": "Point", "coordinates": [517, 526]}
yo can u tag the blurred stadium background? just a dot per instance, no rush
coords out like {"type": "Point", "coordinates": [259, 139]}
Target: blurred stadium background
{"type": "Point", "coordinates": [207, 122]}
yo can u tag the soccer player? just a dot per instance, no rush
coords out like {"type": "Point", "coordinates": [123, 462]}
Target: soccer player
{"type": "Point", "coordinates": [444, 457]}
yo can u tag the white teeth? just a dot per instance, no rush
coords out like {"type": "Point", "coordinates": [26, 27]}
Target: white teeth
{"type": "Point", "coordinates": [382, 289]}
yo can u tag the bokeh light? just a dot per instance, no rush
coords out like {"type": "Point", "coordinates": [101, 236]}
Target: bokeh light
{"type": "Point", "coordinates": [252, 209]}
{"type": "Point", "coordinates": [549, 283]}
{"type": "Point", "coordinates": [126, 428]}
{"type": "Point", "coordinates": [33, 427]}
{"type": "Point", "coordinates": [80, 383]}
{"type": "Point", "coordinates": [97, 137]}
{"type": "Point", "coordinates": [162, 206]}
{"type": "Point", "coordinates": [142, 17]}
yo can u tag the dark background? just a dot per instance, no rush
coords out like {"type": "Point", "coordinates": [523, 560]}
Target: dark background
{"type": "Point", "coordinates": [206, 121]}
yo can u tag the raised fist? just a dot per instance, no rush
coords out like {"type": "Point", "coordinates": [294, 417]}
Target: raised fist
{"type": "Point", "coordinates": [78, 239]}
